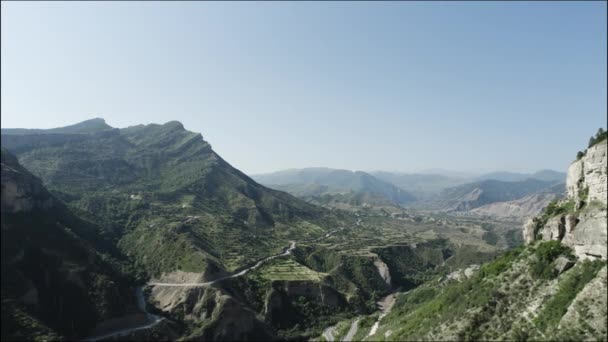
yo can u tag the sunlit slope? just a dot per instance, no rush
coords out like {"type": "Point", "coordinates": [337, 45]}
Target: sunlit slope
{"type": "Point", "coordinates": [170, 200]}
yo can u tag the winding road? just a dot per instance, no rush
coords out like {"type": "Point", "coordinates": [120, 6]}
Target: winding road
{"type": "Point", "coordinates": [239, 274]}
{"type": "Point", "coordinates": [329, 333]}
{"type": "Point", "coordinates": [152, 320]}
{"type": "Point", "coordinates": [352, 331]}
{"type": "Point", "coordinates": [385, 304]}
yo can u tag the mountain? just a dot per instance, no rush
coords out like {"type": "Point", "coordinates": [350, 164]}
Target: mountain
{"type": "Point", "coordinates": [472, 195]}
{"type": "Point", "coordinates": [553, 288]}
{"type": "Point", "coordinates": [207, 216]}
{"type": "Point", "coordinates": [92, 125]}
{"type": "Point", "coordinates": [549, 175]}
{"type": "Point", "coordinates": [59, 277]}
{"type": "Point", "coordinates": [160, 196]}
{"type": "Point", "coordinates": [449, 173]}
{"type": "Point", "coordinates": [544, 175]}
{"type": "Point", "coordinates": [522, 208]}
{"type": "Point", "coordinates": [314, 182]}
{"type": "Point", "coordinates": [419, 184]}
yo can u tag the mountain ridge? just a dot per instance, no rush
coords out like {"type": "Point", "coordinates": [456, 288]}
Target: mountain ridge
{"type": "Point", "coordinates": [314, 182]}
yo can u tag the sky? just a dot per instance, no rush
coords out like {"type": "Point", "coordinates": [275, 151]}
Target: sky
{"type": "Point", "coordinates": [399, 86]}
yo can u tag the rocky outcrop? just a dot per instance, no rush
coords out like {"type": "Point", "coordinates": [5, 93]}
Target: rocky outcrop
{"type": "Point", "coordinates": [460, 275]}
{"type": "Point", "coordinates": [587, 186]}
{"type": "Point", "coordinates": [222, 316]}
{"type": "Point", "coordinates": [384, 271]}
{"type": "Point", "coordinates": [587, 177]}
{"type": "Point", "coordinates": [588, 237]}
{"type": "Point", "coordinates": [554, 229]}
{"type": "Point", "coordinates": [583, 226]}
{"type": "Point", "coordinates": [562, 264]}
{"type": "Point", "coordinates": [528, 231]}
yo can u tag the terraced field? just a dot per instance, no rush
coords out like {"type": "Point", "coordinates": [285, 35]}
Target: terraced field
{"type": "Point", "coordinates": [376, 231]}
{"type": "Point", "coordinates": [288, 269]}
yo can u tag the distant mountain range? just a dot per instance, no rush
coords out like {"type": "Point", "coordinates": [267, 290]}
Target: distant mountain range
{"type": "Point", "coordinates": [316, 182]}
{"type": "Point", "coordinates": [473, 195]}
{"type": "Point", "coordinates": [440, 192]}
{"type": "Point", "coordinates": [544, 175]}
{"type": "Point", "coordinates": [521, 208]}
{"type": "Point", "coordinates": [421, 185]}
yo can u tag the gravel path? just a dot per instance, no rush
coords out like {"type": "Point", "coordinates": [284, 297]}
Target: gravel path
{"type": "Point", "coordinates": [329, 333]}
{"type": "Point", "coordinates": [352, 331]}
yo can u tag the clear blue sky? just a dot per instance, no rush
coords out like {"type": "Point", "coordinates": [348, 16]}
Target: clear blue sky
{"type": "Point", "coordinates": [404, 86]}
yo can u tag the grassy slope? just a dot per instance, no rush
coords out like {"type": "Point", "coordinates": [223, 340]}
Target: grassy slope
{"type": "Point", "coordinates": [507, 299]}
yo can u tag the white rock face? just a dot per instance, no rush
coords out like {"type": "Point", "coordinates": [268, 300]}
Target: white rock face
{"type": "Point", "coordinates": [384, 271]}
{"type": "Point", "coordinates": [589, 172]}
{"type": "Point", "coordinates": [529, 231]}
{"type": "Point", "coordinates": [587, 233]}
{"type": "Point", "coordinates": [554, 229]}
{"type": "Point", "coordinates": [586, 230]}
{"type": "Point", "coordinates": [588, 237]}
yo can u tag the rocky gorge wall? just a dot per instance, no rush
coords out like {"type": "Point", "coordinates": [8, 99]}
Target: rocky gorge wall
{"type": "Point", "coordinates": [581, 221]}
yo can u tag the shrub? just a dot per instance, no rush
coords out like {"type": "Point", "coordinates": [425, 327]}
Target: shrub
{"type": "Point", "coordinates": [501, 264]}
{"type": "Point", "coordinates": [601, 135]}
{"type": "Point", "coordinates": [580, 155]}
{"type": "Point", "coordinates": [546, 253]}
{"type": "Point", "coordinates": [584, 194]}
{"type": "Point", "coordinates": [555, 309]}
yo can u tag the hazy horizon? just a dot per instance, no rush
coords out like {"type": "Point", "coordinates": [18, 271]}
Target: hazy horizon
{"type": "Point", "coordinates": [440, 171]}
{"type": "Point", "coordinates": [474, 87]}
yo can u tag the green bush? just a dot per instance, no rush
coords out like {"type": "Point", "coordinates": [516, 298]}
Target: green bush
{"type": "Point", "coordinates": [546, 253]}
{"type": "Point", "coordinates": [584, 194]}
{"type": "Point", "coordinates": [555, 309]}
{"type": "Point", "coordinates": [555, 208]}
{"type": "Point", "coordinates": [601, 135]}
{"type": "Point", "coordinates": [580, 155]}
{"type": "Point", "coordinates": [501, 264]}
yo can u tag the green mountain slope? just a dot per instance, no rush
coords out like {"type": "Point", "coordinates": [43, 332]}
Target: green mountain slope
{"type": "Point", "coordinates": [169, 200]}
{"type": "Point", "coordinates": [528, 294]}
{"type": "Point", "coordinates": [60, 276]}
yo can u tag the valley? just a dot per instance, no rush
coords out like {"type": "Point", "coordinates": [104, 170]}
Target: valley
{"type": "Point", "coordinates": [197, 250]}
{"type": "Point", "coordinates": [304, 171]}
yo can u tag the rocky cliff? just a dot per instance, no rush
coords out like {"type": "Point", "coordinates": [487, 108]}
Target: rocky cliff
{"type": "Point", "coordinates": [59, 279]}
{"type": "Point", "coordinates": [21, 192]}
{"type": "Point", "coordinates": [579, 220]}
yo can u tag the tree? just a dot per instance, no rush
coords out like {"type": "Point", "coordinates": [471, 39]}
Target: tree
{"type": "Point", "coordinates": [579, 155]}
